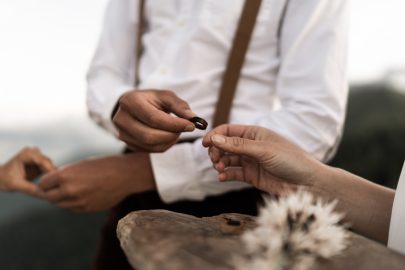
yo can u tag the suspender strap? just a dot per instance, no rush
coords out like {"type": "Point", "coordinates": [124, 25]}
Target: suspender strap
{"type": "Point", "coordinates": [139, 48]}
{"type": "Point", "coordinates": [235, 61]}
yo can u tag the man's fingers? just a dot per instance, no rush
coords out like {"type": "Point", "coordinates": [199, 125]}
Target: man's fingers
{"type": "Point", "coordinates": [237, 145]}
{"type": "Point", "coordinates": [149, 140]}
{"type": "Point", "coordinates": [49, 181]}
{"type": "Point", "coordinates": [55, 195]}
{"type": "Point", "coordinates": [176, 105]}
{"type": "Point", "coordinates": [139, 133]}
{"type": "Point", "coordinates": [26, 187]}
{"type": "Point", "coordinates": [32, 155]}
{"type": "Point", "coordinates": [155, 112]}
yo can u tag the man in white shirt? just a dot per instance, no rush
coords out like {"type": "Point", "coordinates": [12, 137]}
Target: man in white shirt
{"type": "Point", "coordinates": [293, 81]}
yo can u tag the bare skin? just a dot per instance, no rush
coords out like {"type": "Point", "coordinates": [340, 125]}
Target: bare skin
{"type": "Point", "coordinates": [145, 124]}
{"type": "Point", "coordinates": [18, 172]}
{"type": "Point", "coordinates": [144, 121]}
{"type": "Point", "coordinates": [273, 164]}
{"type": "Point", "coordinates": [98, 184]}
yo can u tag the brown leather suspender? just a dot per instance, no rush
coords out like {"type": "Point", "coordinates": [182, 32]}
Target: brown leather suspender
{"type": "Point", "coordinates": [235, 59]}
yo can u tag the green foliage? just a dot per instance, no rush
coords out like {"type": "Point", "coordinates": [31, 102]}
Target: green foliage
{"type": "Point", "coordinates": [373, 144]}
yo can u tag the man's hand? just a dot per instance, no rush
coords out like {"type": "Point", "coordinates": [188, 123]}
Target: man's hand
{"type": "Point", "coordinates": [145, 123]}
{"type": "Point", "coordinates": [98, 184]}
{"type": "Point", "coordinates": [260, 157]}
{"type": "Point", "coordinates": [17, 174]}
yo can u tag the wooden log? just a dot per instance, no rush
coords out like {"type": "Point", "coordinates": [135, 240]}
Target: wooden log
{"type": "Point", "coordinates": [164, 240]}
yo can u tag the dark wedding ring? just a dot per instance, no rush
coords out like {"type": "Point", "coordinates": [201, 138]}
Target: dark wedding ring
{"type": "Point", "coordinates": [199, 122]}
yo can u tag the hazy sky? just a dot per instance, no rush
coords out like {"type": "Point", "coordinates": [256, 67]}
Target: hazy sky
{"type": "Point", "coordinates": [46, 46]}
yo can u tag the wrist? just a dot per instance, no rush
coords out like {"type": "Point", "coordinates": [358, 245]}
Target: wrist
{"type": "Point", "coordinates": [144, 180]}
{"type": "Point", "coordinates": [322, 181]}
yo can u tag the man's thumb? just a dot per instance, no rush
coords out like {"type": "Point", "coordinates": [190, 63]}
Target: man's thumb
{"type": "Point", "coordinates": [26, 187]}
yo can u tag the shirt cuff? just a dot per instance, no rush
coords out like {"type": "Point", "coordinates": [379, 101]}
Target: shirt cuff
{"type": "Point", "coordinates": [102, 106]}
{"type": "Point", "coordinates": [396, 238]}
{"type": "Point", "coordinates": [185, 172]}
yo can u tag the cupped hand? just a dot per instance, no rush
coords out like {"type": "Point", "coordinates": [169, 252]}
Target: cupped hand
{"type": "Point", "coordinates": [260, 157]}
{"type": "Point", "coordinates": [17, 173]}
{"type": "Point", "coordinates": [145, 119]}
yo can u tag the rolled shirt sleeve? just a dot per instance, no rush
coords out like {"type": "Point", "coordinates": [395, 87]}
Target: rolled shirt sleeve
{"type": "Point", "coordinates": [396, 238]}
{"type": "Point", "coordinates": [111, 71]}
{"type": "Point", "coordinates": [312, 81]}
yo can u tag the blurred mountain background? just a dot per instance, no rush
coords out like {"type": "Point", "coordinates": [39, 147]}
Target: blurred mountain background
{"type": "Point", "coordinates": [373, 144]}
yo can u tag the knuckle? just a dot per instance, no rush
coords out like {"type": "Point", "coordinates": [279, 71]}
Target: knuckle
{"type": "Point", "coordinates": [26, 151]}
{"type": "Point", "coordinates": [148, 138]}
{"type": "Point", "coordinates": [237, 142]}
{"type": "Point", "coordinates": [69, 191]}
{"type": "Point", "coordinates": [127, 100]}
{"type": "Point", "coordinates": [116, 119]}
{"type": "Point", "coordinates": [168, 93]}
{"type": "Point", "coordinates": [152, 119]}
{"type": "Point", "coordinates": [121, 136]}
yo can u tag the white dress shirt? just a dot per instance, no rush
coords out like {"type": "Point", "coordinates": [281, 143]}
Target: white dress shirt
{"type": "Point", "coordinates": [295, 84]}
{"type": "Point", "coordinates": [396, 239]}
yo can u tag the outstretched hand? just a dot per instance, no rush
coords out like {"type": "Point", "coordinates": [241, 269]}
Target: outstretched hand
{"type": "Point", "coordinates": [145, 123]}
{"type": "Point", "coordinates": [17, 173]}
{"type": "Point", "coordinates": [260, 157]}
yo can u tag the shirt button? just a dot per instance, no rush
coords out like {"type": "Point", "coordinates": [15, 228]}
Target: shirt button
{"type": "Point", "coordinates": [163, 71]}
{"type": "Point", "coordinates": [181, 22]}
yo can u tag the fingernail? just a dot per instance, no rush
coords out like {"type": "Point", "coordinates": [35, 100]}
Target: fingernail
{"type": "Point", "coordinates": [218, 139]}
{"type": "Point", "coordinates": [189, 128]}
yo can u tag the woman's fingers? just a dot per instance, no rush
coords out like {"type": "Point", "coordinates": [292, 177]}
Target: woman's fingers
{"type": "Point", "coordinates": [228, 161]}
{"type": "Point", "coordinates": [240, 146]}
{"type": "Point", "coordinates": [232, 174]}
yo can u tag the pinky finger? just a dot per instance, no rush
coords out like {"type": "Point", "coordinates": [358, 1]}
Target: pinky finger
{"type": "Point", "coordinates": [231, 161]}
{"type": "Point", "coordinates": [215, 154]}
{"type": "Point", "coordinates": [227, 161]}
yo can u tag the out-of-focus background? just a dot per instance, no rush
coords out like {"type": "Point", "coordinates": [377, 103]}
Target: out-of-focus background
{"type": "Point", "coordinates": [45, 49]}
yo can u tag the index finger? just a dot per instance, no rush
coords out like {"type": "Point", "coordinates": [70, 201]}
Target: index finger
{"type": "Point", "coordinates": [157, 113]}
{"type": "Point", "coordinates": [49, 181]}
{"type": "Point", "coordinates": [227, 130]}
{"type": "Point", "coordinates": [35, 156]}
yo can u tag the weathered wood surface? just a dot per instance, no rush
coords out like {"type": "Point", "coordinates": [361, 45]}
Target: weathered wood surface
{"type": "Point", "coordinates": [163, 240]}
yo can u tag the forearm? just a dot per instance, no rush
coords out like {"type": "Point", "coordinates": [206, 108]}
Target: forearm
{"type": "Point", "coordinates": [133, 171]}
{"type": "Point", "coordinates": [367, 206]}
{"type": "Point", "coordinates": [1, 177]}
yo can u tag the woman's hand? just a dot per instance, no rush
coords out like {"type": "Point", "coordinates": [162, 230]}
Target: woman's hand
{"type": "Point", "coordinates": [17, 173]}
{"type": "Point", "coordinates": [260, 157]}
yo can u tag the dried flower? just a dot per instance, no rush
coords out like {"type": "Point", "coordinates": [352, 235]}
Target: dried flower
{"type": "Point", "coordinates": [292, 232]}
